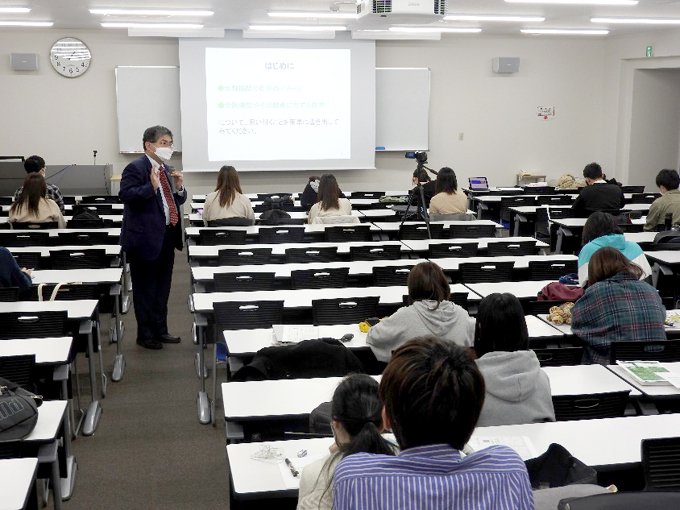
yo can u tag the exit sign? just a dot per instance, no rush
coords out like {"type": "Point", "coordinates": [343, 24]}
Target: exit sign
{"type": "Point", "coordinates": [649, 51]}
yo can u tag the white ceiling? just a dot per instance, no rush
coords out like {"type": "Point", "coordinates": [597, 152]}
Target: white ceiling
{"type": "Point", "coordinates": [238, 14]}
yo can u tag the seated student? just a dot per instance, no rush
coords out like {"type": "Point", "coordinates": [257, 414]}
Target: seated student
{"type": "Point", "coordinates": [517, 390]}
{"type": "Point", "coordinates": [449, 199]}
{"type": "Point", "coordinates": [430, 313]}
{"type": "Point", "coordinates": [356, 422]}
{"type": "Point", "coordinates": [598, 195]}
{"type": "Point", "coordinates": [429, 186]}
{"type": "Point", "coordinates": [309, 194]}
{"type": "Point", "coordinates": [32, 206]}
{"type": "Point", "coordinates": [601, 230]}
{"type": "Point", "coordinates": [11, 275]}
{"type": "Point", "coordinates": [330, 201]}
{"type": "Point", "coordinates": [616, 306]}
{"type": "Point", "coordinates": [37, 164]}
{"type": "Point", "coordinates": [227, 201]}
{"type": "Point", "coordinates": [669, 201]}
{"type": "Point", "coordinates": [433, 393]}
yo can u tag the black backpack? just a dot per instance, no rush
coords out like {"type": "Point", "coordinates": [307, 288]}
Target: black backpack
{"type": "Point", "coordinates": [274, 217]}
{"type": "Point", "coordinates": [18, 411]}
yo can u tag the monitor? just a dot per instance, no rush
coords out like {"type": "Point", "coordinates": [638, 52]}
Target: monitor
{"type": "Point", "coordinates": [478, 183]}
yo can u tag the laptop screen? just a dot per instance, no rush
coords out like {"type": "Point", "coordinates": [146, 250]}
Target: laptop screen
{"type": "Point", "coordinates": [478, 183]}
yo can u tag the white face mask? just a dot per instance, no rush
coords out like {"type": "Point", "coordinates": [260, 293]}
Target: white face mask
{"type": "Point", "coordinates": [165, 153]}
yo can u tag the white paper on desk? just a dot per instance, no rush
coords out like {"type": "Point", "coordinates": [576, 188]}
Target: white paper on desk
{"type": "Point", "coordinates": [293, 482]}
{"type": "Point", "coordinates": [671, 377]}
{"type": "Point", "coordinates": [521, 444]}
{"type": "Point", "coordinates": [295, 334]}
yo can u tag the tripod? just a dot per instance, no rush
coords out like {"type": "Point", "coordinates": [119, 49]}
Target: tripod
{"type": "Point", "coordinates": [421, 210]}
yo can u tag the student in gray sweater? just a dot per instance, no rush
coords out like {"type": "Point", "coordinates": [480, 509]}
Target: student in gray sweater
{"type": "Point", "coordinates": [517, 390]}
{"type": "Point", "coordinates": [430, 313]}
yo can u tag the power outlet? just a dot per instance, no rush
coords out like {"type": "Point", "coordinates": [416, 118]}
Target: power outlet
{"type": "Point", "coordinates": [460, 137]}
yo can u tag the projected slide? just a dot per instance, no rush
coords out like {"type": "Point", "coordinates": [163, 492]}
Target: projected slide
{"type": "Point", "coordinates": [278, 104]}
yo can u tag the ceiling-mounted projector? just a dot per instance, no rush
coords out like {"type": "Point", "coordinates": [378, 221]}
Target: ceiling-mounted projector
{"type": "Point", "coordinates": [401, 11]}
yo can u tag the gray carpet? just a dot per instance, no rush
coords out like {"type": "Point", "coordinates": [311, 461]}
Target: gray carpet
{"type": "Point", "coordinates": [149, 451]}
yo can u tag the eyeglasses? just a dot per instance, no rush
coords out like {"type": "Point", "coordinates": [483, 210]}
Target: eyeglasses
{"type": "Point", "coordinates": [164, 143]}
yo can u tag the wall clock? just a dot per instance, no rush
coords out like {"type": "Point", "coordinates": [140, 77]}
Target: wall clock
{"type": "Point", "coordinates": [70, 57]}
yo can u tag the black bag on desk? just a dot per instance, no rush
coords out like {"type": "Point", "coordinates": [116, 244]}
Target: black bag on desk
{"type": "Point", "coordinates": [557, 468]}
{"type": "Point", "coordinates": [18, 411]}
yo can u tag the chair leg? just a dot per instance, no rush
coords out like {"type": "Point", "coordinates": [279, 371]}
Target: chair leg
{"type": "Point", "coordinates": [214, 377]}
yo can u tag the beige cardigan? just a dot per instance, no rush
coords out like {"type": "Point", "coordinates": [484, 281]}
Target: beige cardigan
{"type": "Point", "coordinates": [48, 210]}
{"type": "Point", "coordinates": [445, 203]}
{"type": "Point", "coordinates": [344, 209]}
{"type": "Point", "coordinates": [239, 208]}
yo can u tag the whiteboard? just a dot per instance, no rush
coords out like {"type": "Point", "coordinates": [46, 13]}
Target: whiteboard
{"type": "Point", "coordinates": [402, 109]}
{"type": "Point", "coordinates": [147, 96]}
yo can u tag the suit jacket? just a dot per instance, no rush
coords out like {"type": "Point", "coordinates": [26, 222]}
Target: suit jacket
{"type": "Point", "coordinates": [598, 197]}
{"type": "Point", "coordinates": [144, 226]}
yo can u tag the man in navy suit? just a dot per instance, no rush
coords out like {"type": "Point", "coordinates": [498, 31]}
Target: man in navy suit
{"type": "Point", "coordinates": [151, 231]}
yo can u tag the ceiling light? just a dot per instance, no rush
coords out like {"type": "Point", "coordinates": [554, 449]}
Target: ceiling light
{"type": "Point", "coordinates": [426, 30]}
{"type": "Point", "coordinates": [374, 35]}
{"type": "Point", "coordinates": [641, 21]}
{"type": "Point", "coordinates": [576, 2]}
{"type": "Point", "coordinates": [151, 25]}
{"type": "Point", "coordinates": [26, 23]}
{"type": "Point", "coordinates": [307, 14]}
{"type": "Point", "coordinates": [465, 17]}
{"type": "Point", "coordinates": [565, 31]}
{"type": "Point", "coordinates": [150, 12]}
{"type": "Point", "coordinates": [14, 10]}
{"type": "Point", "coordinates": [298, 28]}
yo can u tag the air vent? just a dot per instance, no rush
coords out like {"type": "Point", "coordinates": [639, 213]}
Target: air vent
{"type": "Point", "coordinates": [382, 6]}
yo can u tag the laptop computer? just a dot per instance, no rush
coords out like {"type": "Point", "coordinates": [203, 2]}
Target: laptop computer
{"type": "Point", "coordinates": [478, 183]}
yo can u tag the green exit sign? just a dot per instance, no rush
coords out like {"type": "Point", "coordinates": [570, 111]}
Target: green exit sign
{"type": "Point", "coordinates": [648, 51]}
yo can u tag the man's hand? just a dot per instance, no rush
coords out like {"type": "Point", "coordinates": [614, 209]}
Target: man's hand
{"type": "Point", "coordinates": [26, 270]}
{"type": "Point", "coordinates": [153, 177]}
{"type": "Point", "coordinates": [179, 179]}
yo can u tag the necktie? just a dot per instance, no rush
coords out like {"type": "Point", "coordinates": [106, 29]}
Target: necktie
{"type": "Point", "coordinates": [174, 218]}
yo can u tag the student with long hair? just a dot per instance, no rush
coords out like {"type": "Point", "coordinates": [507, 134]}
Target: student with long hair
{"type": "Point", "coordinates": [33, 206]}
{"type": "Point", "coordinates": [356, 422]}
{"type": "Point", "coordinates": [449, 199]}
{"type": "Point", "coordinates": [517, 390]}
{"type": "Point", "coordinates": [616, 306]}
{"type": "Point", "coordinates": [430, 313]}
{"type": "Point", "coordinates": [329, 200]}
{"type": "Point", "coordinates": [227, 201]}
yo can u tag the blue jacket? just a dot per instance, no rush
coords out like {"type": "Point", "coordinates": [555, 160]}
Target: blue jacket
{"type": "Point", "coordinates": [628, 249]}
{"type": "Point", "coordinates": [144, 226]}
{"type": "Point", "coordinates": [10, 272]}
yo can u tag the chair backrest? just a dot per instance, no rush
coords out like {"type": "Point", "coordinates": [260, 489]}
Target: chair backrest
{"type": "Point", "coordinates": [85, 223]}
{"type": "Point", "coordinates": [367, 194]}
{"type": "Point", "coordinates": [243, 282]}
{"type": "Point", "coordinates": [28, 225]}
{"type": "Point", "coordinates": [554, 200]}
{"type": "Point", "coordinates": [633, 189]}
{"type": "Point", "coordinates": [88, 258]}
{"type": "Point", "coordinates": [590, 406]}
{"type": "Point", "coordinates": [665, 350]}
{"type": "Point", "coordinates": [244, 256]}
{"type": "Point", "coordinates": [643, 198]}
{"type": "Point", "coordinates": [453, 217]}
{"type": "Point", "coordinates": [347, 234]}
{"type": "Point", "coordinates": [83, 238]}
{"type": "Point", "coordinates": [559, 356]}
{"type": "Point", "coordinates": [536, 307]}
{"type": "Point", "coordinates": [6, 200]}
{"type": "Point", "coordinates": [215, 237]}
{"type": "Point", "coordinates": [388, 252]}
{"type": "Point", "coordinates": [18, 369]}
{"type": "Point", "coordinates": [281, 235]}
{"type": "Point", "coordinates": [331, 220]}
{"type": "Point", "coordinates": [661, 463]}
{"type": "Point", "coordinates": [551, 269]}
{"type": "Point", "coordinates": [480, 272]}
{"type": "Point", "coordinates": [419, 231]}
{"type": "Point", "coordinates": [230, 222]}
{"type": "Point", "coordinates": [311, 254]}
{"type": "Point", "coordinates": [68, 292]}
{"type": "Point", "coordinates": [33, 324]}
{"type": "Point", "coordinates": [517, 201]}
{"type": "Point", "coordinates": [470, 231]}
{"type": "Point", "coordinates": [388, 276]}
{"type": "Point", "coordinates": [452, 250]}
{"type": "Point", "coordinates": [320, 278]}
{"type": "Point", "coordinates": [511, 248]}
{"type": "Point", "coordinates": [8, 294]}
{"type": "Point", "coordinates": [13, 239]}
{"type": "Point", "coordinates": [29, 259]}
{"type": "Point", "coordinates": [460, 298]}
{"type": "Point", "coordinates": [344, 310]}
{"type": "Point", "coordinates": [248, 314]}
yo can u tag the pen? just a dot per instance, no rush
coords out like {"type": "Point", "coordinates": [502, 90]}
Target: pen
{"type": "Point", "coordinates": [294, 471]}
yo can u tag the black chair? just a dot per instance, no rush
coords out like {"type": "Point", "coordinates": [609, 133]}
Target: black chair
{"type": "Point", "coordinates": [471, 231]}
{"type": "Point", "coordinates": [216, 237]}
{"type": "Point", "coordinates": [666, 350]}
{"type": "Point", "coordinates": [419, 231]}
{"type": "Point", "coordinates": [624, 501]}
{"type": "Point", "coordinates": [233, 315]}
{"type": "Point", "coordinates": [103, 208]}
{"type": "Point", "coordinates": [643, 198]}
{"type": "Point", "coordinates": [502, 248]}
{"type": "Point", "coordinates": [230, 222]}
{"type": "Point", "coordinates": [19, 369]}
{"type": "Point", "coordinates": [320, 278]}
{"type": "Point", "coordinates": [27, 225]}
{"type": "Point", "coordinates": [33, 324]}
{"type": "Point", "coordinates": [452, 250]}
{"type": "Point", "coordinates": [388, 276]}
{"type": "Point", "coordinates": [13, 239]}
{"type": "Point", "coordinates": [29, 259]}
{"type": "Point", "coordinates": [633, 189]}
{"type": "Point", "coordinates": [243, 282]}
{"type": "Point", "coordinates": [554, 200]}
{"type": "Point", "coordinates": [83, 238]}
{"type": "Point", "coordinates": [551, 269]}
{"type": "Point", "coordinates": [367, 194]}
{"type": "Point", "coordinates": [9, 294]}
{"type": "Point", "coordinates": [482, 272]}
{"type": "Point", "coordinates": [460, 298]}
{"type": "Point", "coordinates": [86, 223]}
{"type": "Point", "coordinates": [518, 201]}
{"type": "Point", "coordinates": [244, 256]}
{"type": "Point", "coordinates": [345, 234]}
{"type": "Point", "coordinates": [344, 310]}
{"type": "Point", "coordinates": [80, 259]}
{"type": "Point", "coordinates": [559, 356]}
{"type": "Point", "coordinates": [304, 255]}
{"type": "Point", "coordinates": [281, 235]}
{"type": "Point", "coordinates": [387, 252]}
{"type": "Point", "coordinates": [661, 464]}
{"type": "Point", "coordinates": [69, 292]}
{"type": "Point", "coordinates": [6, 200]}
{"type": "Point", "coordinates": [590, 406]}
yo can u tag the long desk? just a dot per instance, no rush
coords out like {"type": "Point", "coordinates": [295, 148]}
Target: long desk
{"type": "Point", "coordinates": [569, 227]}
{"type": "Point", "coordinates": [423, 245]}
{"type": "Point", "coordinates": [18, 482]}
{"type": "Point", "coordinates": [523, 290]}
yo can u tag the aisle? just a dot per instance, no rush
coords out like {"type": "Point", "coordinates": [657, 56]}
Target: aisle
{"type": "Point", "coordinates": [149, 451]}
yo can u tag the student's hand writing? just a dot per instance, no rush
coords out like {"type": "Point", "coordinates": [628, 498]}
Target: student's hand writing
{"type": "Point", "coordinates": [26, 270]}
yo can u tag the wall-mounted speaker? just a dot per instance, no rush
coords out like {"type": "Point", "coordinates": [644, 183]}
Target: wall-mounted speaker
{"type": "Point", "coordinates": [24, 61]}
{"type": "Point", "coordinates": [505, 64]}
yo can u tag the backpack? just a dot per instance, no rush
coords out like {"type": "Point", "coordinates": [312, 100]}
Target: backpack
{"type": "Point", "coordinates": [278, 202]}
{"type": "Point", "coordinates": [18, 411]}
{"type": "Point", "coordinates": [84, 213]}
{"type": "Point", "coordinates": [556, 291]}
{"type": "Point", "coordinates": [274, 217]}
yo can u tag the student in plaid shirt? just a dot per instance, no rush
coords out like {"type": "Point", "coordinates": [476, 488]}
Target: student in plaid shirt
{"type": "Point", "coordinates": [37, 164]}
{"type": "Point", "coordinates": [616, 306]}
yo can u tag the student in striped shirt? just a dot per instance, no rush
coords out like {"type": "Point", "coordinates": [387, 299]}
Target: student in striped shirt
{"type": "Point", "coordinates": [433, 394]}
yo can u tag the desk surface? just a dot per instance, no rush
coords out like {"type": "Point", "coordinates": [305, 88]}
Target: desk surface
{"type": "Point", "coordinates": [253, 230]}
{"type": "Point", "coordinates": [17, 477]}
{"type": "Point", "coordinates": [200, 251]}
{"type": "Point", "coordinates": [523, 290]}
{"type": "Point", "coordinates": [640, 237]}
{"type": "Point", "coordinates": [651, 390]}
{"type": "Point", "coordinates": [49, 351]}
{"type": "Point", "coordinates": [110, 249]}
{"type": "Point", "coordinates": [394, 225]}
{"type": "Point", "coordinates": [50, 415]}
{"type": "Point", "coordinates": [54, 232]}
{"type": "Point", "coordinates": [521, 261]}
{"type": "Point", "coordinates": [580, 222]}
{"type": "Point", "coordinates": [108, 275]}
{"type": "Point", "coordinates": [76, 310]}
{"type": "Point", "coordinates": [482, 242]}
{"type": "Point", "coordinates": [670, 257]}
